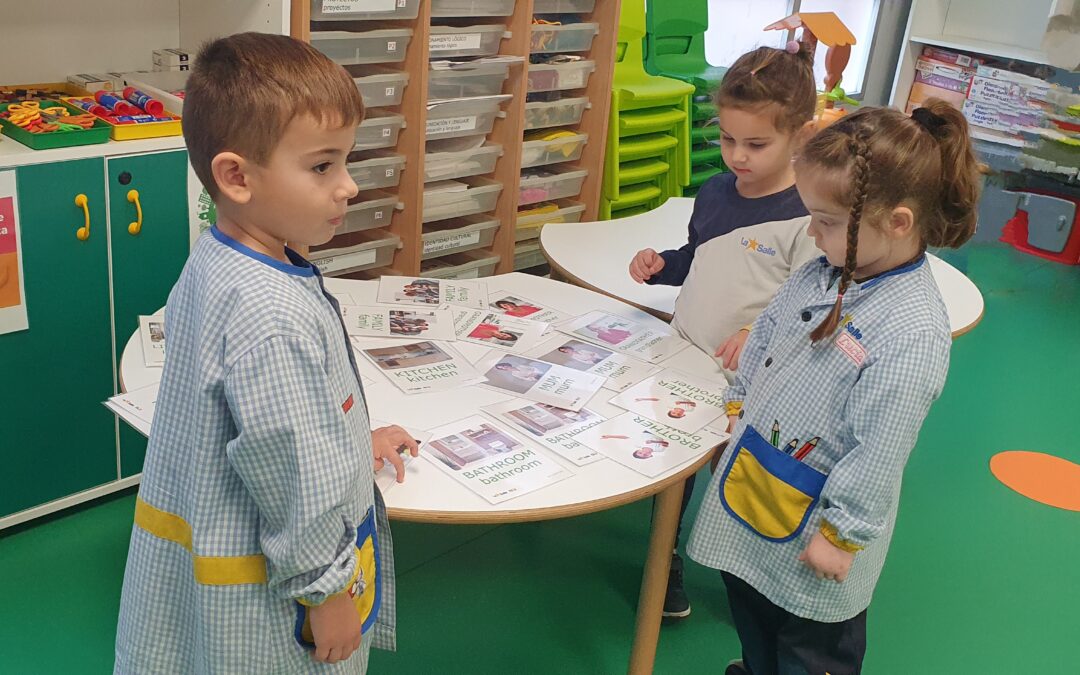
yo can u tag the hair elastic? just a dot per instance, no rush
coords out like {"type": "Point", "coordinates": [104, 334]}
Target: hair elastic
{"type": "Point", "coordinates": [930, 121]}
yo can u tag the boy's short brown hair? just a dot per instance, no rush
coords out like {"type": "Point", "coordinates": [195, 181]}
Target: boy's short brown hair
{"type": "Point", "coordinates": [245, 89]}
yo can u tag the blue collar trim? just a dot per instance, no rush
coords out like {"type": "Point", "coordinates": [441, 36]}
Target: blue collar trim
{"type": "Point", "coordinates": [299, 266]}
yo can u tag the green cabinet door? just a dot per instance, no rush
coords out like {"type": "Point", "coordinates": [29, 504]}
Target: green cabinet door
{"type": "Point", "coordinates": [58, 439]}
{"type": "Point", "coordinates": [146, 257]}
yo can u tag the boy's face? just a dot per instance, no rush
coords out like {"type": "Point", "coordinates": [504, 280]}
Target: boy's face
{"type": "Point", "coordinates": [301, 193]}
{"type": "Point", "coordinates": [752, 147]}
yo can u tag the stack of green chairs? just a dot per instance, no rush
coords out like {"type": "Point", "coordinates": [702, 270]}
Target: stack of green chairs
{"type": "Point", "coordinates": [648, 148]}
{"type": "Point", "coordinates": [675, 48]}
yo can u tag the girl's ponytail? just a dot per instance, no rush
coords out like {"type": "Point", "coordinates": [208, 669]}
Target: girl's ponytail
{"type": "Point", "coordinates": [960, 182]}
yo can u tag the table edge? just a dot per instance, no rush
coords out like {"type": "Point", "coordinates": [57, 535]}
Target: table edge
{"type": "Point", "coordinates": [664, 316]}
{"type": "Point", "coordinates": [548, 512]}
{"type": "Point", "coordinates": [964, 330]}
{"type": "Point", "coordinates": [581, 283]}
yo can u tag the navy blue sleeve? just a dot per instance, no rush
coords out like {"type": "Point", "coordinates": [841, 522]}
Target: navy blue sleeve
{"type": "Point", "coordinates": [677, 261]}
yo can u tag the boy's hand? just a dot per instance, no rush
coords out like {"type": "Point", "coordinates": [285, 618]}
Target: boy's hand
{"type": "Point", "coordinates": [732, 420]}
{"type": "Point", "coordinates": [387, 444]}
{"type": "Point", "coordinates": [729, 350]}
{"type": "Point", "coordinates": [826, 561]}
{"type": "Point", "coordinates": [336, 627]}
{"type": "Point", "coordinates": [646, 263]}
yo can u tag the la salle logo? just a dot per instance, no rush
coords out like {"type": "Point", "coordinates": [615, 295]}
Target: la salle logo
{"type": "Point", "coordinates": [758, 247]}
{"type": "Point", "coordinates": [849, 326]}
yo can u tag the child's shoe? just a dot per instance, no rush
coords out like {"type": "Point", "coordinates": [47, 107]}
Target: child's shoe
{"type": "Point", "coordinates": [676, 604]}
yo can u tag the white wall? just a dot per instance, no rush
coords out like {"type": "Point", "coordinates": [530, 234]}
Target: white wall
{"type": "Point", "coordinates": [885, 51]}
{"type": "Point", "coordinates": [47, 41]}
{"type": "Point", "coordinates": [203, 20]}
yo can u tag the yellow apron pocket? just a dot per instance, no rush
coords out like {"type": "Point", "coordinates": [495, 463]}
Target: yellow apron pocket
{"type": "Point", "coordinates": [768, 491]}
{"type": "Point", "coordinates": [364, 587]}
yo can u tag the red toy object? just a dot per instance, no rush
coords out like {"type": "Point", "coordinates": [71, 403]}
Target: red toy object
{"type": "Point", "coordinates": [91, 106]}
{"type": "Point", "coordinates": [152, 106]}
{"type": "Point", "coordinates": [139, 117]}
{"type": "Point", "coordinates": [116, 104]}
{"type": "Point", "coordinates": [1016, 232]}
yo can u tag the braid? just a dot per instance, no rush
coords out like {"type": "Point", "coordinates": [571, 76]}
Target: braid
{"type": "Point", "coordinates": [860, 171]}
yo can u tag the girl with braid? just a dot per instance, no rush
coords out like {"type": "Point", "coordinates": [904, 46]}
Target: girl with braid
{"type": "Point", "coordinates": [836, 379]}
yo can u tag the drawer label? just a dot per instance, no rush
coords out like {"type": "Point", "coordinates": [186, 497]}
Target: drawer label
{"type": "Point", "coordinates": [451, 241]}
{"type": "Point", "coordinates": [454, 42]}
{"type": "Point", "coordinates": [358, 6]}
{"type": "Point", "coordinates": [450, 125]}
{"type": "Point", "coordinates": [345, 261]}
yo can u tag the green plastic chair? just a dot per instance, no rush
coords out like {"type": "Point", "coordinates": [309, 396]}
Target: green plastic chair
{"type": "Point", "coordinates": [649, 126]}
{"type": "Point", "coordinates": [654, 154]}
{"type": "Point", "coordinates": [675, 47]}
{"type": "Point", "coordinates": [635, 199]}
{"type": "Point", "coordinates": [675, 43]}
{"type": "Point", "coordinates": [639, 88]}
{"type": "Point", "coordinates": [703, 111]}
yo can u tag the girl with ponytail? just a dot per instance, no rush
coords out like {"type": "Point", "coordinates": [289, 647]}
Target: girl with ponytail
{"type": "Point", "coordinates": [836, 379]}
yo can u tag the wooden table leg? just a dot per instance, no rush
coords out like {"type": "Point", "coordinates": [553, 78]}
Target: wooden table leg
{"type": "Point", "coordinates": [654, 581]}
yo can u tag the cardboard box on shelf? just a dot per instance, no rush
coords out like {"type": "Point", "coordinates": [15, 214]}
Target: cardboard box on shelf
{"type": "Point", "coordinates": [996, 84]}
{"type": "Point", "coordinates": [172, 57]}
{"type": "Point", "coordinates": [951, 57]}
{"type": "Point", "coordinates": [97, 81]}
{"type": "Point", "coordinates": [1002, 117]}
{"type": "Point", "coordinates": [936, 79]}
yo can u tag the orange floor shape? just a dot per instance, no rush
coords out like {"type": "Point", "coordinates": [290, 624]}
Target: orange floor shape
{"type": "Point", "coordinates": [1045, 478]}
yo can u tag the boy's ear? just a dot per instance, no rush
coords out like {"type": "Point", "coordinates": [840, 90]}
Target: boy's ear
{"type": "Point", "coordinates": [230, 172]}
{"type": "Point", "coordinates": [901, 222]}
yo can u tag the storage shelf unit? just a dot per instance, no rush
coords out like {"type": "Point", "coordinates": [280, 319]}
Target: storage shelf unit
{"type": "Point", "coordinates": [1011, 31]}
{"type": "Point", "coordinates": [389, 54]}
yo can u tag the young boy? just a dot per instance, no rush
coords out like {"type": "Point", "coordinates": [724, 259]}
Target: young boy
{"type": "Point", "coordinates": [260, 542]}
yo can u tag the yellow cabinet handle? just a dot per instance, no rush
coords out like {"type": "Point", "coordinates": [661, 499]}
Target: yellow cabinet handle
{"type": "Point", "coordinates": [136, 227]}
{"type": "Point", "coordinates": [83, 233]}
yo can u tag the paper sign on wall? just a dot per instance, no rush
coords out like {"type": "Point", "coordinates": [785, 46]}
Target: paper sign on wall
{"type": "Point", "coordinates": [12, 286]}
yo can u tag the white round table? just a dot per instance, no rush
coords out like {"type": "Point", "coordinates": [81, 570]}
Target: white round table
{"type": "Point", "coordinates": [571, 249]}
{"type": "Point", "coordinates": [430, 495]}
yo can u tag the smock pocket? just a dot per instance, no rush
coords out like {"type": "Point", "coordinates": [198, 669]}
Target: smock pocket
{"type": "Point", "coordinates": [363, 588]}
{"type": "Point", "coordinates": [768, 491]}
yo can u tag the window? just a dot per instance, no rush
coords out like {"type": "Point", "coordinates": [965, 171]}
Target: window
{"type": "Point", "coordinates": [735, 27]}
